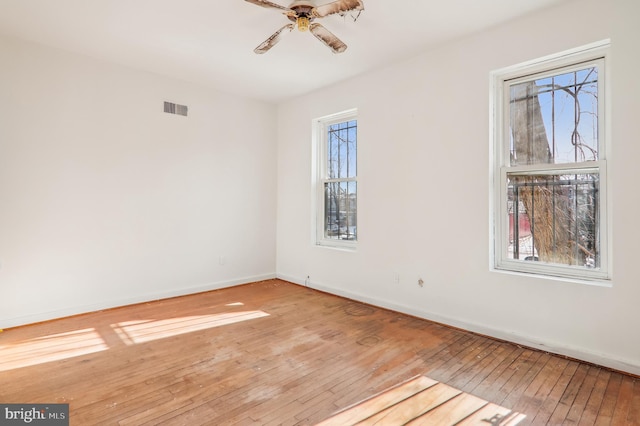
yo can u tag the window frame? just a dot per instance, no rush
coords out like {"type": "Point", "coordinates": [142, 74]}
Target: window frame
{"type": "Point", "coordinates": [320, 177]}
{"type": "Point", "coordinates": [594, 54]}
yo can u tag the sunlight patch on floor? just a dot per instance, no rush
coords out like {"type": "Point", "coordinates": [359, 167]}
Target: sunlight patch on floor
{"type": "Point", "coordinates": [60, 346]}
{"type": "Point", "coordinates": [54, 347]}
{"type": "Point", "coordinates": [134, 332]}
{"type": "Point", "coordinates": [424, 401]}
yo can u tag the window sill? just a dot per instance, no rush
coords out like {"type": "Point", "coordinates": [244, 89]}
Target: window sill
{"type": "Point", "coordinates": [337, 245]}
{"type": "Point", "coordinates": [598, 282]}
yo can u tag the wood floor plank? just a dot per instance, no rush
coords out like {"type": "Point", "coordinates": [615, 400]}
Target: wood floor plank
{"type": "Point", "coordinates": [324, 381]}
{"type": "Point", "coordinates": [516, 373]}
{"type": "Point", "coordinates": [569, 395]}
{"type": "Point", "coordinates": [410, 409]}
{"type": "Point", "coordinates": [550, 403]}
{"type": "Point", "coordinates": [474, 373]}
{"type": "Point", "coordinates": [488, 414]}
{"type": "Point", "coordinates": [388, 398]}
{"type": "Point", "coordinates": [469, 360]}
{"type": "Point", "coordinates": [584, 392]}
{"type": "Point", "coordinates": [633, 417]}
{"type": "Point", "coordinates": [545, 382]}
{"type": "Point", "coordinates": [451, 412]}
{"type": "Point", "coordinates": [436, 404]}
{"type": "Point", "coordinates": [529, 385]}
{"type": "Point", "coordinates": [499, 375]}
{"type": "Point", "coordinates": [623, 402]}
{"type": "Point", "coordinates": [273, 352]}
{"type": "Point", "coordinates": [596, 398]}
{"type": "Point", "coordinates": [488, 369]}
{"type": "Point", "coordinates": [610, 397]}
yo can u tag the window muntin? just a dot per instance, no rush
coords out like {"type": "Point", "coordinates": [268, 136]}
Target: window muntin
{"type": "Point", "coordinates": [337, 223]}
{"type": "Point", "coordinates": [551, 169]}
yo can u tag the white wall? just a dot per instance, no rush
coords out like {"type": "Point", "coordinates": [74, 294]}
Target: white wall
{"type": "Point", "coordinates": [424, 191]}
{"type": "Point", "coordinates": [106, 200]}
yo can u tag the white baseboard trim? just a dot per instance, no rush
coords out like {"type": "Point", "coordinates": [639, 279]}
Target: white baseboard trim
{"type": "Point", "coordinates": [116, 303]}
{"type": "Point", "coordinates": [532, 342]}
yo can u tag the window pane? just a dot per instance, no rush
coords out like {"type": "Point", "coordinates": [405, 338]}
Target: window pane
{"type": "Point", "coordinates": [554, 219]}
{"type": "Point", "coordinates": [342, 150]}
{"type": "Point", "coordinates": [340, 200]}
{"type": "Point", "coordinates": [555, 119]}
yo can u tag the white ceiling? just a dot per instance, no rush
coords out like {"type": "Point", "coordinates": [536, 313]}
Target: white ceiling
{"type": "Point", "coordinates": [211, 42]}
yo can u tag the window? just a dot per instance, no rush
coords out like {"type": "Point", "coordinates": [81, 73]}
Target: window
{"type": "Point", "coordinates": [337, 180]}
{"type": "Point", "coordinates": [549, 161]}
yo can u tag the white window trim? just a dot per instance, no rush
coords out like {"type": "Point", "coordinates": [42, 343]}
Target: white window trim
{"type": "Point", "coordinates": [319, 147]}
{"type": "Point", "coordinates": [499, 128]}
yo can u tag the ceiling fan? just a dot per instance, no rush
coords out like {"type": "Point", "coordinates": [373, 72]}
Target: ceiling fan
{"type": "Point", "coordinates": [302, 14]}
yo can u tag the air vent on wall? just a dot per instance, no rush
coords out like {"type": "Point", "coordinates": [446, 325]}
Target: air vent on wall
{"type": "Point", "coordinates": [171, 108]}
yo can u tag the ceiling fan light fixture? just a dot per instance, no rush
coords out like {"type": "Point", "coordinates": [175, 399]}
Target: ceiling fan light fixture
{"type": "Point", "coordinates": [303, 23]}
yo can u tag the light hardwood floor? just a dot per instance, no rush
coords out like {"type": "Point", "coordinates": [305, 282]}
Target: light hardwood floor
{"type": "Point", "coordinates": [272, 353]}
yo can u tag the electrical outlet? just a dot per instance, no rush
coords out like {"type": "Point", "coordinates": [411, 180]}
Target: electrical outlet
{"type": "Point", "coordinates": [396, 278]}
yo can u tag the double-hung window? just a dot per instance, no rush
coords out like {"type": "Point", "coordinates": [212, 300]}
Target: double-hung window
{"type": "Point", "coordinates": [550, 180]}
{"type": "Point", "coordinates": [337, 180]}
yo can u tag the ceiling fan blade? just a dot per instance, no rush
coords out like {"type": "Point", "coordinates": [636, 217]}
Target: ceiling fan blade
{"type": "Point", "coordinates": [325, 36]}
{"type": "Point", "coordinates": [339, 6]}
{"type": "Point", "coordinates": [267, 3]}
{"type": "Point", "coordinates": [273, 40]}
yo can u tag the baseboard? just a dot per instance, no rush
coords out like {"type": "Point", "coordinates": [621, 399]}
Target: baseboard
{"type": "Point", "coordinates": [82, 309]}
{"type": "Point", "coordinates": [532, 342]}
